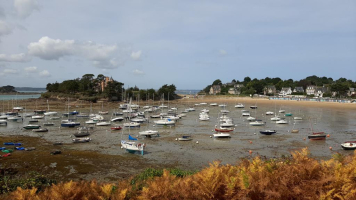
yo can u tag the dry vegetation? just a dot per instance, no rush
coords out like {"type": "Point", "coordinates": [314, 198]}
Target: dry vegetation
{"type": "Point", "coordinates": [298, 177]}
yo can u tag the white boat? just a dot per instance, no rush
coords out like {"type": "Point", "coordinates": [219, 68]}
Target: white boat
{"type": "Point", "coordinates": [165, 122]}
{"type": "Point", "coordinates": [13, 118]}
{"type": "Point", "coordinates": [224, 111]}
{"type": "Point", "coordinates": [221, 135]}
{"type": "Point", "coordinates": [222, 105]}
{"type": "Point", "coordinates": [54, 118]}
{"type": "Point", "coordinates": [172, 117]}
{"type": "Point", "coordinates": [281, 111]}
{"type": "Point", "coordinates": [205, 110]}
{"type": "Point", "coordinates": [132, 146]}
{"type": "Point", "coordinates": [257, 123]}
{"type": "Point", "coordinates": [197, 104]}
{"type": "Point", "coordinates": [298, 118]}
{"type": "Point", "coordinates": [3, 117]}
{"type": "Point", "coordinates": [37, 117]}
{"type": "Point", "coordinates": [148, 133]}
{"type": "Point", "coordinates": [50, 113]}
{"type": "Point", "coordinates": [227, 124]}
{"type": "Point", "coordinates": [281, 121]}
{"type": "Point", "coordinates": [213, 104]}
{"type": "Point", "coordinates": [190, 109]}
{"type": "Point", "coordinates": [132, 124]}
{"type": "Point", "coordinates": [139, 120]}
{"type": "Point", "coordinates": [269, 113]}
{"type": "Point", "coordinates": [103, 124]}
{"type": "Point", "coordinates": [81, 140]}
{"type": "Point", "coordinates": [203, 103]}
{"type": "Point", "coordinates": [117, 119]}
{"type": "Point", "coordinates": [275, 118]}
{"type": "Point", "coordinates": [146, 107]}
{"type": "Point", "coordinates": [239, 105]}
{"type": "Point", "coordinates": [17, 108]}
{"type": "Point", "coordinates": [181, 115]}
{"type": "Point", "coordinates": [250, 118]}
{"type": "Point", "coordinates": [48, 124]}
{"type": "Point", "coordinates": [3, 122]}
{"type": "Point", "coordinates": [203, 117]}
{"type": "Point", "coordinates": [162, 106]}
{"type": "Point", "coordinates": [185, 138]}
{"type": "Point", "coordinates": [103, 112]}
{"type": "Point", "coordinates": [245, 113]}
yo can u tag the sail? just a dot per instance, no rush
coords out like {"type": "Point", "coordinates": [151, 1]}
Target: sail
{"type": "Point", "coordinates": [132, 138]}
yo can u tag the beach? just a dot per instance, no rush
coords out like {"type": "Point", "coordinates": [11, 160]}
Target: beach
{"type": "Point", "coordinates": [103, 159]}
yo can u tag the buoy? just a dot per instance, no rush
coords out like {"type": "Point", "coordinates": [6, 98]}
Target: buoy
{"type": "Point", "coordinates": [254, 133]}
{"type": "Point", "coordinates": [197, 142]}
{"type": "Point", "coordinates": [250, 152]}
{"type": "Point", "coordinates": [211, 136]}
{"type": "Point", "coordinates": [250, 142]}
{"type": "Point", "coordinates": [303, 138]}
{"type": "Point", "coordinates": [328, 135]}
{"type": "Point", "coordinates": [330, 148]}
{"type": "Point", "coordinates": [176, 139]}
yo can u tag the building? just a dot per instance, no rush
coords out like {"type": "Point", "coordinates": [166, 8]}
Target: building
{"type": "Point", "coordinates": [285, 91]}
{"type": "Point", "coordinates": [311, 89]}
{"type": "Point", "coordinates": [232, 91]}
{"type": "Point", "coordinates": [351, 92]}
{"type": "Point", "coordinates": [269, 90]}
{"type": "Point", "coordinates": [215, 89]}
{"type": "Point", "coordinates": [319, 91]}
{"type": "Point", "coordinates": [298, 90]}
{"type": "Point", "coordinates": [104, 82]}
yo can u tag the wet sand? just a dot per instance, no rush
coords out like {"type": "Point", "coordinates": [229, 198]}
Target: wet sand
{"type": "Point", "coordinates": [103, 159]}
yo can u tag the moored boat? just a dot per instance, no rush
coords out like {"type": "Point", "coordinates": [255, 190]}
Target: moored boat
{"type": "Point", "coordinates": [116, 128]}
{"type": "Point", "coordinates": [32, 126]}
{"type": "Point", "coordinates": [81, 140]}
{"type": "Point", "coordinates": [40, 130]}
{"type": "Point", "coordinates": [349, 145]}
{"type": "Point", "coordinates": [317, 136]}
{"type": "Point", "coordinates": [268, 132]}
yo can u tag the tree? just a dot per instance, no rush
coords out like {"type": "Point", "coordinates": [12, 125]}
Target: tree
{"type": "Point", "coordinates": [168, 91]}
{"type": "Point", "coordinates": [217, 82]}
{"type": "Point", "coordinates": [246, 80]}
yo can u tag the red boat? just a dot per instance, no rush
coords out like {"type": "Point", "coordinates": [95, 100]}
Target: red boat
{"type": "Point", "coordinates": [223, 130]}
{"type": "Point", "coordinates": [116, 128]}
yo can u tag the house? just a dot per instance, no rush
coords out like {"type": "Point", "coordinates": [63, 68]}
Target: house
{"type": "Point", "coordinates": [285, 91]}
{"type": "Point", "coordinates": [319, 91]}
{"type": "Point", "coordinates": [298, 90]}
{"type": "Point", "coordinates": [215, 89]}
{"type": "Point", "coordinates": [269, 90]}
{"type": "Point", "coordinates": [351, 92]}
{"type": "Point", "coordinates": [102, 85]}
{"type": "Point", "coordinates": [232, 91]}
{"type": "Point", "coordinates": [229, 84]}
{"type": "Point", "coordinates": [311, 89]}
{"type": "Point", "coordinates": [237, 88]}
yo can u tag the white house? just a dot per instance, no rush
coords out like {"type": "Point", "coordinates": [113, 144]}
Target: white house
{"type": "Point", "coordinates": [311, 89]}
{"type": "Point", "coordinates": [285, 91]}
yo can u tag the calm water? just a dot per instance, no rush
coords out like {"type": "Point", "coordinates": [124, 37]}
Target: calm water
{"type": "Point", "coordinates": [339, 123]}
{"type": "Point", "coordinates": [19, 97]}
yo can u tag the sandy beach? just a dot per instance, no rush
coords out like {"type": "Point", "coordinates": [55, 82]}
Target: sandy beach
{"type": "Point", "coordinates": [103, 159]}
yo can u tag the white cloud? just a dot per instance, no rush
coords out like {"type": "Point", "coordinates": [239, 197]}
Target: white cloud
{"type": "Point", "coordinates": [14, 58]}
{"type": "Point", "coordinates": [102, 56]}
{"type": "Point", "coordinates": [136, 55]}
{"type": "Point", "coordinates": [222, 52]}
{"type": "Point", "coordinates": [44, 73]}
{"type": "Point", "coordinates": [10, 71]}
{"type": "Point", "coordinates": [24, 8]}
{"type": "Point", "coordinates": [138, 72]}
{"type": "Point", "coordinates": [30, 69]}
{"type": "Point", "coordinates": [5, 28]}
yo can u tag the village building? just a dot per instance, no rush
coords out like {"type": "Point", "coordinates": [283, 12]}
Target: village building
{"type": "Point", "coordinates": [298, 90]}
{"type": "Point", "coordinates": [269, 90]}
{"type": "Point", "coordinates": [319, 91]}
{"type": "Point", "coordinates": [311, 89]}
{"type": "Point", "coordinates": [285, 91]}
{"type": "Point", "coordinates": [102, 85]}
{"type": "Point", "coordinates": [351, 92]}
{"type": "Point", "coordinates": [215, 89]}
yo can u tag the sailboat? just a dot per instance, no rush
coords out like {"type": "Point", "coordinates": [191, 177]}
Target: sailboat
{"type": "Point", "coordinates": [102, 112]}
{"type": "Point", "coordinates": [49, 113]}
{"type": "Point", "coordinates": [132, 146]}
{"type": "Point", "coordinates": [316, 135]}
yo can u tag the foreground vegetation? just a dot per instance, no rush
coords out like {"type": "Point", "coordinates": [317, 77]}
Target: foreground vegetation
{"type": "Point", "coordinates": [296, 177]}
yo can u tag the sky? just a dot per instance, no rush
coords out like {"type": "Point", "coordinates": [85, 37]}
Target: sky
{"type": "Point", "coordinates": [186, 43]}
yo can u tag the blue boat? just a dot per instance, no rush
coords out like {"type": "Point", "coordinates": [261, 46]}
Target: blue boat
{"type": "Point", "coordinates": [13, 144]}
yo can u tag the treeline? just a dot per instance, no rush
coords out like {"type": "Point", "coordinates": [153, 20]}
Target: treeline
{"type": "Point", "coordinates": [295, 177]}
{"type": "Point", "coordinates": [256, 86]}
{"type": "Point", "coordinates": [91, 88]}
{"type": "Point", "coordinates": [7, 89]}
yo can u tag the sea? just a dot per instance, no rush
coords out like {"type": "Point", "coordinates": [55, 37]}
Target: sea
{"type": "Point", "coordinates": [192, 92]}
{"type": "Point", "coordinates": [21, 96]}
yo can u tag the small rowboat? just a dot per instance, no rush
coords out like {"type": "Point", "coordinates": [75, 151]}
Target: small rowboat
{"type": "Point", "coordinates": [349, 145]}
{"type": "Point", "coordinates": [317, 136]}
{"type": "Point", "coordinates": [116, 128]}
{"type": "Point", "coordinates": [268, 132]}
{"type": "Point", "coordinates": [224, 130]}
{"type": "Point", "coordinates": [185, 138]}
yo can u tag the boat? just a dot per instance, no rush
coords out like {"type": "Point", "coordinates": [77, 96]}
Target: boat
{"type": "Point", "coordinates": [139, 120]}
{"type": "Point", "coordinates": [103, 112]}
{"type": "Point", "coordinates": [54, 118]}
{"type": "Point", "coordinates": [221, 135]}
{"type": "Point", "coordinates": [281, 111]}
{"type": "Point", "coordinates": [227, 124]}
{"type": "Point", "coordinates": [82, 132]}
{"type": "Point", "coordinates": [253, 107]}
{"type": "Point", "coordinates": [132, 146]}
{"type": "Point", "coordinates": [223, 130]}
{"type": "Point", "coordinates": [185, 138]}
{"type": "Point", "coordinates": [250, 118]}
{"type": "Point", "coordinates": [282, 121]}
{"type": "Point", "coordinates": [224, 111]}
{"type": "Point", "coordinates": [81, 140]}
{"type": "Point", "coordinates": [132, 124]}
{"type": "Point", "coordinates": [116, 128]}
{"type": "Point", "coordinates": [298, 118]}
{"type": "Point", "coordinates": [69, 123]}
{"type": "Point", "coordinates": [83, 115]}
{"type": "Point", "coordinates": [32, 126]}
{"type": "Point", "coordinates": [257, 123]}
{"type": "Point", "coordinates": [165, 122]}
{"type": "Point", "coordinates": [275, 118]}
{"type": "Point", "coordinates": [222, 105]}
{"type": "Point", "coordinates": [48, 124]}
{"type": "Point", "coordinates": [3, 122]}
{"type": "Point", "coordinates": [13, 118]}
{"type": "Point", "coordinates": [117, 119]}
{"type": "Point", "coordinates": [213, 104]}
{"type": "Point", "coordinates": [245, 113]}
{"type": "Point", "coordinates": [203, 116]}
{"type": "Point", "coordinates": [205, 110]}
{"type": "Point", "coordinates": [317, 136]}
{"type": "Point", "coordinates": [349, 145]}
{"type": "Point", "coordinates": [49, 113]}
{"type": "Point", "coordinates": [91, 121]}
{"type": "Point", "coordinates": [190, 109]}
{"type": "Point", "coordinates": [148, 133]}
{"type": "Point", "coordinates": [40, 130]}
{"type": "Point", "coordinates": [33, 120]}
{"type": "Point", "coordinates": [294, 131]}
{"type": "Point", "coordinates": [103, 123]}
{"type": "Point", "coordinates": [268, 132]}
{"type": "Point", "coordinates": [288, 114]}
{"type": "Point", "coordinates": [117, 113]}
{"type": "Point", "coordinates": [269, 113]}
{"type": "Point", "coordinates": [239, 105]}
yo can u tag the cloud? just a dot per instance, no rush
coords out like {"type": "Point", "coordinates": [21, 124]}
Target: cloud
{"type": "Point", "coordinates": [222, 52]}
{"type": "Point", "coordinates": [14, 58]}
{"type": "Point", "coordinates": [10, 71]}
{"type": "Point", "coordinates": [44, 73]}
{"type": "Point", "coordinates": [24, 8]}
{"type": "Point", "coordinates": [138, 72]}
{"type": "Point", "coordinates": [5, 28]}
{"type": "Point", "coordinates": [136, 55]}
{"type": "Point", "coordinates": [102, 56]}
{"type": "Point", "coordinates": [30, 69]}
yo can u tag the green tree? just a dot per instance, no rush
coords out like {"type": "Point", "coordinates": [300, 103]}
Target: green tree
{"type": "Point", "coordinates": [217, 82]}
{"type": "Point", "coordinates": [168, 91]}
